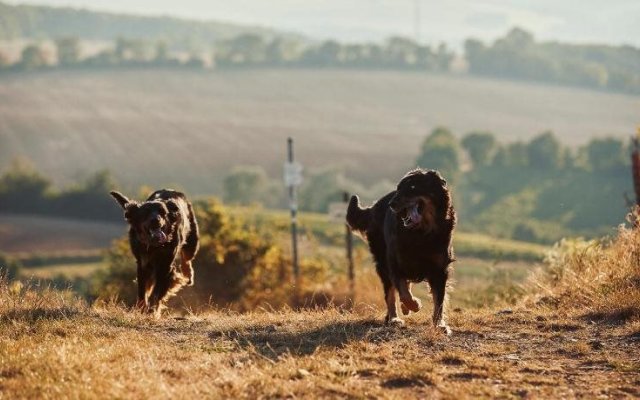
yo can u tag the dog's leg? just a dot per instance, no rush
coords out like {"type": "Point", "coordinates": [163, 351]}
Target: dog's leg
{"type": "Point", "coordinates": [162, 275]}
{"type": "Point", "coordinates": [186, 268]}
{"type": "Point", "coordinates": [408, 302]}
{"type": "Point", "coordinates": [392, 305]}
{"type": "Point", "coordinates": [145, 282]}
{"type": "Point", "coordinates": [438, 283]}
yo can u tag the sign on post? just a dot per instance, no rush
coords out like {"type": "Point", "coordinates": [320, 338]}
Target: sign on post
{"type": "Point", "coordinates": [293, 178]}
{"type": "Point", "coordinates": [292, 174]}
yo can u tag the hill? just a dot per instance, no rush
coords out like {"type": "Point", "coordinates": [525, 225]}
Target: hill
{"type": "Point", "coordinates": [41, 22]}
{"type": "Point", "coordinates": [163, 127]}
{"type": "Point", "coordinates": [575, 335]}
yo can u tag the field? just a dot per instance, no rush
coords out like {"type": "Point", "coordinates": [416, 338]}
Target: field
{"type": "Point", "coordinates": [574, 335]}
{"type": "Point", "coordinates": [187, 129]}
{"type": "Point", "coordinates": [30, 234]}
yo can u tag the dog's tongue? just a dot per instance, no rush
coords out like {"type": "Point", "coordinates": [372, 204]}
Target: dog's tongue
{"type": "Point", "coordinates": [414, 215]}
{"type": "Point", "coordinates": [159, 235]}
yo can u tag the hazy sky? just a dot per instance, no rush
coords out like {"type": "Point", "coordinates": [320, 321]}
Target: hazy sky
{"type": "Point", "coordinates": [451, 21]}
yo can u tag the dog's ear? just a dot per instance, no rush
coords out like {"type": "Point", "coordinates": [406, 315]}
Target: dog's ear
{"type": "Point", "coordinates": [121, 199]}
{"type": "Point", "coordinates": [436, 174]}
{"type": "Point", "coordinates": [130, 207]}
{"type": "Point", "coordinates": [174, 209]}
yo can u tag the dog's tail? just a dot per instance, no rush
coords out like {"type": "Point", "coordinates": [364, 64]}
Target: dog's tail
{"type": "Point", "coordinates": [358, 218]}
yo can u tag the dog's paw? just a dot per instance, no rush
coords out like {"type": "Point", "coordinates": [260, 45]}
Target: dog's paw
{"type": "Point", "coordinates": [410, 304]}
{"type": "Point", "coordinates": [395, 321]}
{"type": "Point", "coordinates": [444, 328]}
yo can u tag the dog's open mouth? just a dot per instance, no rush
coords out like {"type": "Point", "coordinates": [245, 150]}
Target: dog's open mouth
{"type": "Point", "coordinates": [411, 215]}
{"type": "Point", "coordinates": [158, 236]}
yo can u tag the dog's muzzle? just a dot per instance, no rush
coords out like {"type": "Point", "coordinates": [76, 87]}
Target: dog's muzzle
{"type": "Point", "coordinates": [158, 236]}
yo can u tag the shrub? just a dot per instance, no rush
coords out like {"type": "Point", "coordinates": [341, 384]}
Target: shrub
{"type": "Point", "coordinates": [236, 267]}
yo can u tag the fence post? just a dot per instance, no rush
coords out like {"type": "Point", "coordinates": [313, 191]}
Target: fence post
{"type": "Point", "coordinates": [349, 246]}
{"type": "Point", "coordinates": [291, 179]}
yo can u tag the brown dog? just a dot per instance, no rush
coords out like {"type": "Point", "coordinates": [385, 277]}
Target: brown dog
{"type": "Point", "coordinates": [409, 233]}
{"type": "Point", "coordinates": [164, 239]}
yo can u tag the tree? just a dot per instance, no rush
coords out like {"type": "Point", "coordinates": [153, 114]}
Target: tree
{"type": "Point", "coordinates": [89, 199]}
{"type": "Point", "coordinates": [68, 51]}
{"type": "Point", "coordinates": [545, 152]}
{"type": "Point", "coordinates": [33, 57]}
{"type": "Point", "coordinates": [246, 185]}
{"type": "Point", "coordinates": [162, 52]}
{"type": "Point", "coordinates": [22, 187]}
{"type": "Point", "coordinates": [481, 147]}
{"type": "Point", "coordinates": [607, 154]}
{"type": "Point", "coordinates": [440, 151]}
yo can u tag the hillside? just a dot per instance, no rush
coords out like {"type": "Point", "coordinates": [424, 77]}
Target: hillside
{"type": "Point", "coordinates": [41, 22]}
{"type": "Point", "coordinates": [370, 123]}
{"type": "Point", "coordinates": [574, 335]}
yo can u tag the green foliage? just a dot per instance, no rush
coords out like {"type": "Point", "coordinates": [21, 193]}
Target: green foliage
{"type": "Point", "coordinates": [607, 155]}
{"type": "Point", "coordinates": [24, 190]}
{"type": "Point", "coordinates": [68, 50]}
{"type": "Point", "coordinates": [518, 55]}
{"type": "Point", "coordinates": [440, 151]}
{"type": "Point", "coordinates": [250, 184]}
{"type": "Point", "coordinates": [32, 57]}
{"type": "Point", "coordinates": [545, 152]}
{"type": "Point", "coordinates": [22, 187]}
{"type": "Point", "coordinates": [326, 186]}
{"type": "Point", "coordinates": [480, 146]}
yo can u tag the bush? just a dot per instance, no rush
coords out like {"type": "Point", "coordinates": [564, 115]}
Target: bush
{"type": "Point", "coordinates": [236, 267]}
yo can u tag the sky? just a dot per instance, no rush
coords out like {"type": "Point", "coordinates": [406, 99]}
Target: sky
{"type": "Point", "coordinates": [450, 21]}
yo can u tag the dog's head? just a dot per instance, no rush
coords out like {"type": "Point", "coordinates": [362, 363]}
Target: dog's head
{"type": "Point", "coordinates": [153, 222]}
{"type": "Point", "coordinates": [419, 197]}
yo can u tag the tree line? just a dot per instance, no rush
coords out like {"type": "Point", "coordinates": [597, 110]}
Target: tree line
{"type": "Point", "coordinates": [538, 190]}
{"type": "Point", "coordinates": [518, 56]}
{"type": "Point", "coordinates": [515, 56]}
{"type": "Point", "coordinates": [246, 50]}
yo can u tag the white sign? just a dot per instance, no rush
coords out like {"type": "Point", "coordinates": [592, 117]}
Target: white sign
{"type": "Point", "coordinates": [292, 174]}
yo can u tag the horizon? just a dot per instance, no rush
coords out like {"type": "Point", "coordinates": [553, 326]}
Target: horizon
{"type": "Point", "coordinates": [456, 20]}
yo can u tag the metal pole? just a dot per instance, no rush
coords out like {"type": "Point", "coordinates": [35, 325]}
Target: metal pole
{"type": "Point", "coordinates": [349, 244]}
{"type": "Point", "coordinates": [293, 205]}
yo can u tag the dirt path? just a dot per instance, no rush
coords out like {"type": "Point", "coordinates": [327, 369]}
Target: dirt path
{"type": "Point", "coordinates": [51, 347]}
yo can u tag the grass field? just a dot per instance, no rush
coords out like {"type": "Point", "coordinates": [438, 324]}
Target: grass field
{"type": "Point", "coordinates": [187, 129]}
{"type": "Point", "coordinates": [574, 334]}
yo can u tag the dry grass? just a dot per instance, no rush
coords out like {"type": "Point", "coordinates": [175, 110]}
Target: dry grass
{"type": "Point", "coordinates": [577, 338]}
{"type": "Point", "coordinates": [598, 279]}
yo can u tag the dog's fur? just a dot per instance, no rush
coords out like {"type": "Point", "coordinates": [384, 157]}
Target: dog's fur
{"type": "Point", "coordinates": [164, 239]}
{"type": "Point", "coordinates": [409, 233]}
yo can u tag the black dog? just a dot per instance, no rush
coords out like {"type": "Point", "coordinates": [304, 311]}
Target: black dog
{"type": "Point", "coordinates": [409, 233]}
{"type": "Point", "coordinates": [164, 239]}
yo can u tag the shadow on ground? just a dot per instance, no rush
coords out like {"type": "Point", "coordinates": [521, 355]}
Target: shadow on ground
{"type": "Point", "coordinates": [273, 340]}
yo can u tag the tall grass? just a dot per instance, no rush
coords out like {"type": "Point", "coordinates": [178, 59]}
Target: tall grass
{"type": "Point", "coordinates": [599, 279]}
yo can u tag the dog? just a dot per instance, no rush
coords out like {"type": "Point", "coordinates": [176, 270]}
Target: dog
{"type": "Point", "coordinates": [409, 233]}
{"type": "Point", "coordinates": [164, 239]}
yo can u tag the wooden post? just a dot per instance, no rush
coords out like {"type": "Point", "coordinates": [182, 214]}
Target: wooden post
{"type": "Point", "coordinates": [349, 245]}
{"type": "Point", "coordinates": [293, 206]}
{"type": "Point", "coordinates": [635, 167]}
